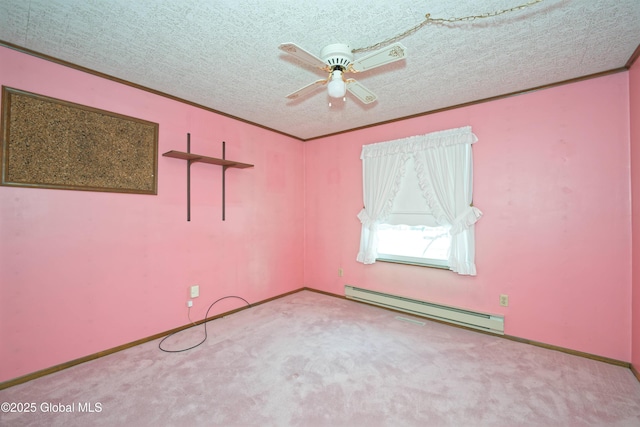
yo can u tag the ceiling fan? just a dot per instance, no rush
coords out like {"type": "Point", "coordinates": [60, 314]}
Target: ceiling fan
{"type": "Point", "coordinates": [337, 60]}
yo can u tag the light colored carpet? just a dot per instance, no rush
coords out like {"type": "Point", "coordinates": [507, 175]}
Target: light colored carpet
{"type": "Point", "coordinates": [313, 360]}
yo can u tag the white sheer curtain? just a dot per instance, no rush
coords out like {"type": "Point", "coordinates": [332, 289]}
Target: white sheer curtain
{"type": "Point", "coordinates": [382, 173]}
{"type": "Point", "coordinates": [444, 165]}
{"type": "Point", "coordinates": [445, 173]}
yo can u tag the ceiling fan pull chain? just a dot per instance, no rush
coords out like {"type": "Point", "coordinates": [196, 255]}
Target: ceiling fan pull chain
{"type": "Point", "coordinates": [428, 20]}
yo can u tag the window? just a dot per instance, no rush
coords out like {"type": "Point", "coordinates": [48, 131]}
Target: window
{"type": "Point", "coordinates": [411, 244]}
{"type": "Point", "coordinates": [417, 194]}
{"type": "Point", "coordinates": [411, 234]}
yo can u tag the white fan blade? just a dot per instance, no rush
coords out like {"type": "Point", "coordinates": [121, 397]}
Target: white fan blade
{"type": "Point", "coordinates": [391, 53]}
{"type": "Point", "coordinates": [361, 92]}
{"type": "Point", "coordinates": [307, 89]}
{"type": "Point", "coordinates": [303, 55]}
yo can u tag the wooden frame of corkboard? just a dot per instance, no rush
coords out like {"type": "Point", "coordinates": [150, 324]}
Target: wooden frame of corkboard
{"type": "Point", "coordinates": [50, 143]}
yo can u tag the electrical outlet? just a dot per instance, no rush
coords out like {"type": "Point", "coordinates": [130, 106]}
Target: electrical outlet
{"type": "Point", "coordinates": [504, 300]}
{"type": "Point", "coordinates": [195, 291]}
{"type": "Point", "coordinates": [189, 303]}
{"type": "Point", "coordinates": [340, 272]}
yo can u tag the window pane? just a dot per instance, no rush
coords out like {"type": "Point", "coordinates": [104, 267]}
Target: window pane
{"type": "Point", "coordinates": [414, 241]}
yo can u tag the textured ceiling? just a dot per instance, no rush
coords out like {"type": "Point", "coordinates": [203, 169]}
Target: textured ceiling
{"type": "Point", "coordinates": [223, 54]}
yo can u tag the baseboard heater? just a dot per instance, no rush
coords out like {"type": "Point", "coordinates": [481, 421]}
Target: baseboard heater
{"type": "Point", "coordinates": [493, 323]}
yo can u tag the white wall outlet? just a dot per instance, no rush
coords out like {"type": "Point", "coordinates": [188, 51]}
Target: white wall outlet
{"type": "Point", "coordinates": [189, 303]}
{"type": "Point", "coordinates": [504, 300]}
{"type": "Point", "coordinates": [340, 272]}
{"type": "Point", "coordinates": [195, 291]}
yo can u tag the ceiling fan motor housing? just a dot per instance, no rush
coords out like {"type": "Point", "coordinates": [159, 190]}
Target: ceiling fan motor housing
{"type": "Point", "coordinates": [337, 55]}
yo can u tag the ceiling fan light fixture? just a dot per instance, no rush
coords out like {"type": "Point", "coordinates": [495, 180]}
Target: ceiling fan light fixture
{"type": "Point", "coordinates": [336, 87]}
{"type": "Point", "coordinates": [337, 60]}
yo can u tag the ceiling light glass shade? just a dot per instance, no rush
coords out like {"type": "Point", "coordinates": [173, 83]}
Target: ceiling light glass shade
{"type": "Point", "coordinates": [337, 88]}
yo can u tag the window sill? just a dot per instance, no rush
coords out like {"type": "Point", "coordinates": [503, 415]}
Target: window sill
{"type": "Point", "coordinates": [416, 263]}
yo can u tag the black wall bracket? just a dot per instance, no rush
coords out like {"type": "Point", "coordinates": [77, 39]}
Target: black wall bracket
{"type": "Point", "coordinates": [193, 158]}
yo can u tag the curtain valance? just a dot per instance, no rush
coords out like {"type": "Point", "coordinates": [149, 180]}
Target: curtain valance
{"type": "Point", "coordinates": [417, 143]}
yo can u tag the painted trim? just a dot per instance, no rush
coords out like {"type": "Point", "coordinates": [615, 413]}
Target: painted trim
{"type": "Point", "coordinates": [71, 363]}
{"type": "Point", "coordinates": [633, 58]}
{"type": "Point", "coordinates": [570, 351]}
{"type": "Point", "coordinates": [509, 337]}
{"type": "Point", "coordinates": [62, 366]}
{"type": "Point", "coordinates": [26, 51]}
{"type": "Point", "coordinates": [318, 291]}
{"type": "Point", "coordinates": [131, 84]}
{"type": "Point", "coordinates": [479, 101]}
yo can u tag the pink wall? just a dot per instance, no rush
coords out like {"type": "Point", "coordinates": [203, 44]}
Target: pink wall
{"type": "Point", "coordinates": [634, 97]}
{"type": "Point", "coordinates": [82, 272]}
{"type": "Point", "coordinates": [552, 178]}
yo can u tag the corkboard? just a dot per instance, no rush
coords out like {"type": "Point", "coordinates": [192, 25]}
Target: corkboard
{"type": "Point", "coordinates": [49, 143]}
